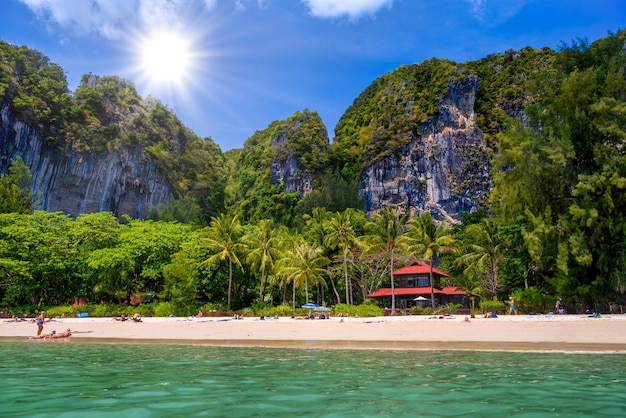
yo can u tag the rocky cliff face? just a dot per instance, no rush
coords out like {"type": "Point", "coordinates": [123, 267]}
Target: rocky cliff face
{"type": "Point", "coordinates": [121, 181]}
{"type": "Point", "coordinates": [444, 169]}
{"type": "Point", "coordinates": [288, 173]}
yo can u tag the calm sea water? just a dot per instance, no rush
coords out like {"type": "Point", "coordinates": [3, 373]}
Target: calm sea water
{"type": "Point", "coordinates": [56, 379]}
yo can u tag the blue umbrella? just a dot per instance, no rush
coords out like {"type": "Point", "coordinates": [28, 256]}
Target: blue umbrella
{"type": "Point", "coordinates": [309, 306]}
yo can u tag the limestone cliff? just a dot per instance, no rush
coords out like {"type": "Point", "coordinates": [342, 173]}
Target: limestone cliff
{"type": "Point", "coordinates": [122, 180]}
{"type": "Point", "coordinates": [444, 168]}
{"type": "Point", "coordinates": [287, 172]}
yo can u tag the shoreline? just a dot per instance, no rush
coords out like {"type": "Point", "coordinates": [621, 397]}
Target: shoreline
{"type": "Point", "coordinates": [537, 333]}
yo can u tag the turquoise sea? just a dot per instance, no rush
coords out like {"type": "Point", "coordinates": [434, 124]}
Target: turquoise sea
{"type": "Point", "coordinates": [68, 379]}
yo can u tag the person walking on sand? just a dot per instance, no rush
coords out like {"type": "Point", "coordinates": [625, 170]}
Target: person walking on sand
{"type": "Point", "coordinates": [39, 320]}
{"type": "Point", "coordinates": [512, 309]}
{"type": "Point", "coordinates": [558, 308]}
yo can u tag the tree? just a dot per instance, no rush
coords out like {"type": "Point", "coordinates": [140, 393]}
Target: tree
{"type": "Point", "coordinates": [429, 238]}
{"type": "Point", "coordinates": [304, 265]}
{"type": "Point", "coordinates": [314, 231]}
{"type": "Point", "coordinates": [15, 192]}
{"type": "Point", "coordinates": [263, 245]}
{"type": "Point", "coordinates": [223, 236]}
{"type": "Point", "coordinates": [136, 262]}
{"type": "Point", "coordinates": [340, 234]}
{"type": "Point", "coordinates": [180, 286]}
{"type": "Point", "coordinates": [483, 254]}
{"type": "Point", "coordinates": [43, 240]}
{"type": "Point", "coordinates": [386, 231]}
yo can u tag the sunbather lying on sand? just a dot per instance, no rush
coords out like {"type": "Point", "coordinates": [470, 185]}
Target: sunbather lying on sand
{"type": "Point", "coordinates": [65, 334]}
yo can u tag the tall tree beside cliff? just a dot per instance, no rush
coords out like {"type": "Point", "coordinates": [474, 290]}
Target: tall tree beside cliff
{"type": "Point", "coordinates": [572, 164]}
{"type": "Point", "coordinates": [15, 193]}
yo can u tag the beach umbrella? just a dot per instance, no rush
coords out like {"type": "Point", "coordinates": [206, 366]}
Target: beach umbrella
{"type": "Point", "coordinates": [309, 306]}
{"type": "Point", "coordinates": [420, 298]}
{"type": "Point", "coordinates": [325, 311]}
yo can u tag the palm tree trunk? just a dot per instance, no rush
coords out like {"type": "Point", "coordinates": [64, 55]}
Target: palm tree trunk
{"type": "Point", "coordinates": [262, 283]}
{"type": "Point", "coordinates": [230, 279]}
{"type": "Point", "coordinates": [393, 291]}
{"type": "Point", "coordinates": [345, 272]}
{"type": "Point", "coordinates": [432, 285]}
{"type": "Point", "coordinates": [306, 290]}
{"type": "Point", "coordinates": [332, 282]}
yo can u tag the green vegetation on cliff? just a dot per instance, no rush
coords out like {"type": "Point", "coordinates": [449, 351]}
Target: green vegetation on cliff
{"type": "Point", "coordinates": [389, 112]}
{"type": "Point", "coordinates": [106, 113]}
{"type": "Point", "coordinates": [253, 191]}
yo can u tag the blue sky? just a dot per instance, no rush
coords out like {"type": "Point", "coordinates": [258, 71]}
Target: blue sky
{"type": "Point", "coordinates": [251, 62]}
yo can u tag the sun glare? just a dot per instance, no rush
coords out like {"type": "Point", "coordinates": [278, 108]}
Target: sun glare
{"type": "Point", "coordinates": [165, 58]}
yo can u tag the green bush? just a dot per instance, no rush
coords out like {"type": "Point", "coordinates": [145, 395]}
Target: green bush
{"type": "Point", "coordinates": [164, 309]}
{"type": "Point", "coordinates": [281, 310]}
{"type": "Point", "coordinates": [533, 300]}
{"type": "Point", "coordinates": [365, 309]}
{"type": "Point", "coordinates": [30, 309]}
{"type": "Point", "coordinates": [494, 306]}
{"type": "Point", "coordinates": [449, 308]}
{"type": "Point", "coordinates": [421, 310]}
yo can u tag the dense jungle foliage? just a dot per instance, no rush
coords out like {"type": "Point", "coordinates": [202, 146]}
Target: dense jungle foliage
{"type": "Point", "coordinates": [555, 225]}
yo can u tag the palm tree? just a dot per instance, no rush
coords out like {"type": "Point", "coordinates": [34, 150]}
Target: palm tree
{"type": "Point", "coordinates": [315, 231]}
{"type": "Point", "coordinates": [223, 236]}
{"type": "Point", "coordinates": [484, 251]}
{"type": "Point", "coordinates": [386, 230]}
{"type": "Point", "coordinates": [428, 238]}
{"type": "Point", "coordinates": [315, 228]}
{"type": "Point", "coordinates": [262, 243]}
{"type": "Point", "coordinates": [340, 234]}
{"type": "Point", "coordinates": [304, 265]}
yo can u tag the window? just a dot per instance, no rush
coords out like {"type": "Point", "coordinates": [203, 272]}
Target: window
{"type": "Point", "coordinates": [422, 281]}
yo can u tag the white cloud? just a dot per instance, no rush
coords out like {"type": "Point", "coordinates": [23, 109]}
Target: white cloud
{"type": "Point", "coordinates": [477, 7]}
{"type": "Point", "coordinates": [353, 9]}
{"type": "Point", "coordinates": [495, 12]}
{"type": "Point", "coordinates": [111, 18]}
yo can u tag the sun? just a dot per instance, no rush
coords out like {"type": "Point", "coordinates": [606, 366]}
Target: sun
{"type": "Point", "coordinates": [165, 58]}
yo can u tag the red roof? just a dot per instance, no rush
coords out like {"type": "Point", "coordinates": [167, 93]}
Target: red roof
{"type": "Point", "coordinates": [418, 268]}
{"type": "Point", "coordinates": [411, 291]}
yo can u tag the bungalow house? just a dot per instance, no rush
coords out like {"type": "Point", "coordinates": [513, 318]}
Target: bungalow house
{"type": "Point", "coordinates": [413, 288]}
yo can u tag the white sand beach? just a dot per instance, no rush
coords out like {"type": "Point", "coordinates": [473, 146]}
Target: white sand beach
{"type": "Point", "coordinates": [509, 333]}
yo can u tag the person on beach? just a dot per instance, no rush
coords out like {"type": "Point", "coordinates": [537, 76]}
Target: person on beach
{"type": "Point", "coordinates": [41, 336]}
{"type": "Point", "coordinates": [65, 334]}
{"type": "Point", "coordinates": [136, 317]}
{"type": "Point", "coordinates": [39, 320]}
{"type": "Point", "coordinates": [512, 309]}
{"type": "Point", "coordinates": [558, 308]}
